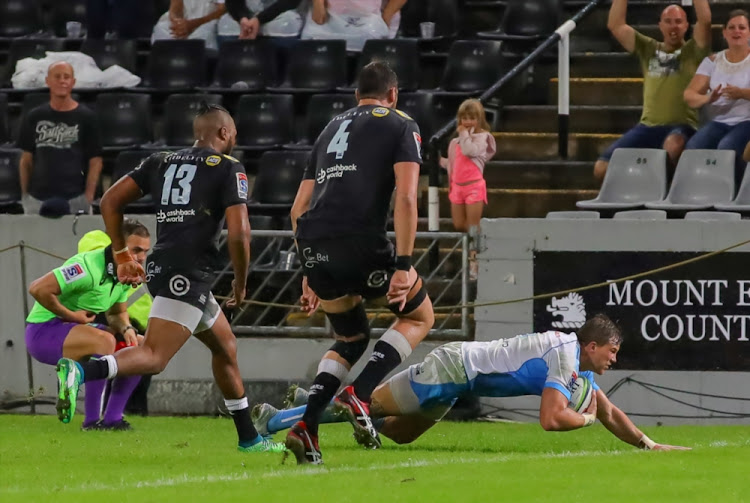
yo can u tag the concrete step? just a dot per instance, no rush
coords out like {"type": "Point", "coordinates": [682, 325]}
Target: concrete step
{"type": "Point", "coordinates": [524, 203]}
{"type": "Point", "coordinates": [543, 146]}
{"type": "Point", "coordinates": [540, 175]}
{"type": "Point", "coordinates": [583, 119]}
{"type": "Point", "coordinates": [601, 91]}
{"type": "Point", "coordinates": [604, 64]}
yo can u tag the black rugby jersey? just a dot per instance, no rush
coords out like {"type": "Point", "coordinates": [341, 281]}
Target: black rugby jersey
{"type": "Point", "coordinates": [191, 189]}
{"type": "Point", "coordinates": [352, 165]}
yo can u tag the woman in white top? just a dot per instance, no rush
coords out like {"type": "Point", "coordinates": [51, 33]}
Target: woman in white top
{"type": "Point", "coordinates": [190, 19]}
{"type": "Point", "coordinates": [722, 84]}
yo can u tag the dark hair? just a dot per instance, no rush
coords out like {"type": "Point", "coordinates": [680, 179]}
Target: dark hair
{"type": "Point", "coordinates": [375, 80]}
{"type": "Point", "coordinates": [132, 226]}
{"type": "Point", "coordinates": [205, 108]}
{"type": "Point", "coordinates": [600, 329]}
{"type": "Point", "coordinates": [736, 13]}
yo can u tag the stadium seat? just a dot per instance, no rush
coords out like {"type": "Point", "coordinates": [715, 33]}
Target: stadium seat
{"type": "Point", "coordinates": [402, 55]}
{"type": "Point", "coordinates": [176, 65]}
{"type": "Point", "coordinates": [315, 66]}
{"type": "Point", "coordinates": [10, 187]}
{"type": "Point", "coordinates": [126, 162]}
{"type": "Point", "coordinates": [420, 107]}
{"type": "Point", "coordinates": [28, 48]}
{"type": "Point", "coordinates": [721, 216]}
{"type": "Point", "coordinates": [179, 112]}
{"type": "Point", "coordinates": [250, 61]}
{"type": "Point", "coordinates": [125, 119]}
{"type": "Point", "coordinates": [635, 176]}
{"type": "Point", "coordinates": [111, 52]}
{"type": "Point", "coordinates": [279, 176]}
{"type": "Point", "coordinates": [472, 67]}
{"type": "Point", "coordinates": [444, 13]}
{"type": "Point", "coordinates": [742, 201]}
{"type": "Point", "coordinates": [702, 179]}
{"type": "Point", "coordinates": [264, 121]}
{"type": "Point", "coordinates": [19, 18]}
{"type": "Point", "coordinates": [640, 215]}
{"type": "Point", "coordinates": [320, 110]}
{"type": "Point", "coordinates": [573, 215]}
{"type": "Point", "coordinates": [37, 98]}
{"type": "Point", "coordinates": [526, 22]}
{"type": "Point", "coordinates": [264, 250]}
{"type": "Point", "coordinates": [5, 136]}
{"type": "Point", "coordinates": [67, 10]}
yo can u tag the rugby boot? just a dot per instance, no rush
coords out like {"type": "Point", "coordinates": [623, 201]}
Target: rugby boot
{"type": "Point", "coordinates": [295, 397]}
{"type": "Point", "coordinates": [261, 414]}
{"type": "Point", "coordinates": [304, 445]}
{"type": "Point", "coordinates": [264, 445]}
{"type": "Point", "coordinates": [69, 378]}
{"type": "Point", "coordinates": [357, 413]}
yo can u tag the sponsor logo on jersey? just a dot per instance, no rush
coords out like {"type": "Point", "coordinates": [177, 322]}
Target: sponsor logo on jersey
{"type": "Point", "coordinates": [402, 114]}
{"type": "Point", "coordinates": [377, 279]}
{"type": "Point", "coordinates": [312, 258]}
{"type": "Point", "coordinates": [380, 112]}
{"type": "Point", "coordinates": [418, 143]}
{"type": "Point", "coordinates": [572, 383]}
{"type": "Point", "coordinates": [335, 171]}
{"type": "Point", "coordinates": [151, 270]}
{"type": "Point", "coordinates": [179, 285]}
{"type": "Point", "coordinates": [173, 216]}
{"type": "Point", "coordinates": [213, 160]}
{"type": "Point", "coordinates": [242, 185]}
{"type": "Point", "coordinates": [73, 272]}
{"type": "Point", "coordinates": [571, 308]}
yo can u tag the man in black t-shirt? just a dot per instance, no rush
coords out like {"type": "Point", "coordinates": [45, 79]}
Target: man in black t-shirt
{"type": "Point", "coordinates": [61, 148]}
{"type": "Point", "coordinates": [194, 190]}
{"type": "Point", "coordinates": [339, 217]}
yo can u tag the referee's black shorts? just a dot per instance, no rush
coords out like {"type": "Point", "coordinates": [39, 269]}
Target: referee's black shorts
{"type": "Point", "coordinates": [352, 265]}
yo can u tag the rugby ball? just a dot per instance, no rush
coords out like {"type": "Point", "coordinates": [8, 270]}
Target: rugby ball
{"type": "Point", "coordinates": [580, 398]}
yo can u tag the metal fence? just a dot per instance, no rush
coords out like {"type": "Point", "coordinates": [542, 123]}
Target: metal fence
{"type": "Point", "coordinates": [274, 286]}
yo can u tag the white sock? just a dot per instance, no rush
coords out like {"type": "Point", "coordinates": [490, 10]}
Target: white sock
{"type": "Point", "coordinates": [396, 339]}
{"type": "Point", "coordinates": [236, 404]}
{"type": "Point", "coordinates": [111, 365]}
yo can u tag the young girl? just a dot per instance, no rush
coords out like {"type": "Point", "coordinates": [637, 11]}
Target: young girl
{"type": "Point", "coordinates": [467, 155]}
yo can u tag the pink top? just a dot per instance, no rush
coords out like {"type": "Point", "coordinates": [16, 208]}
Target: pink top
{"type": "Point", "coordinates": [467, 156]}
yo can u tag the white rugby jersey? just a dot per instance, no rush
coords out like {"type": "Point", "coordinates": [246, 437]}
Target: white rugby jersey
{"type": "Point", "coordinates": [524, 365]}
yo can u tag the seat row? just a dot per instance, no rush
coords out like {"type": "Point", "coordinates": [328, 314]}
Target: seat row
{"type": "Point", "coordinates": [703, 216]}
{"type": "Point", "coordinates": [703, 179]}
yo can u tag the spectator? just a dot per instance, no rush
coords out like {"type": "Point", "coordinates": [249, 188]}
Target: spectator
{"type": "Point", "coordinates": [61, 148]}
{"type": "Point", "coordinates": [467, 155]}
{"type": "Point", "coordinates": [124, 18]}
{"type": "Point", "coordinates": [287, 23]}
{"type": "Point", "coordinates": [666, 122]}
{"type": "Point", "coordinates": [722, 85]}
{"type": "Point", "coordinates": [193, 19]}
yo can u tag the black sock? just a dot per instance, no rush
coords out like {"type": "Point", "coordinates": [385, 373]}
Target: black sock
{"type": "Point", "coordinates": [94, 369]}
{"type": "Point", "coordinates": [246, 431]}
{"type": "Point", "coordinates": [384, 358]}
{"type": "Point", "coordinates": [322, 390]}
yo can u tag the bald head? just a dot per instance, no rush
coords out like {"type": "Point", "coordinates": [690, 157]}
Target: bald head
{"type": "Point", "coordinates": [672, 11]}
{"type": "Point", "coordinates": [60, 66]}
{"type": "Point", "coordinates": [214, 127]}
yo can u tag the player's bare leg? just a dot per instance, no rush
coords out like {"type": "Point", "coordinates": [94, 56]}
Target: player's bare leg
{"type": "Point", "coordinates": [85, 340]}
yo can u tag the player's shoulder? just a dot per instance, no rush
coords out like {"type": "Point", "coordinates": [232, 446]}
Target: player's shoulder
{"type": "Point", "coordinates": [393, 115]}
{"type": "Point", "coordinates": [82, 266]}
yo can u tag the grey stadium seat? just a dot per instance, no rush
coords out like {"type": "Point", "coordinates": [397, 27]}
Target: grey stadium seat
{"type": "Point", "coordinates": [641, 215]}
{"type": "Point", "coordinates": [635, 176]}
{"type": "Point", "coordinates": [573, 215]}
{"type": "Point", "coordinates": [724, 216]}
{"type": "Point", "coordinates": [742, 201]}
{"type": "Point", "coordinates": [703, 178]}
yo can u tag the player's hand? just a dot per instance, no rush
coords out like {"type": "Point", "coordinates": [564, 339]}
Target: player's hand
{"type": "Point", "coordinates": [309, 300]}
{"type": "Point", "coordinates": [665, 447]}
{"type": "Point", "coordinates": [715, 94]}
{"type": "Point", "coordinates": [733, 92]}
{"type": "Point", "coordinates": [82, 317]}
{"type": "Point", "coordinates": [238, 294]}
{"type": "Point", "coordinates": [591, 409]}
{"type": "Point", "coordinates": [401, 283]}
{"type": "Point", "coordinates": [131, 273]}
{"type": "Point", "coordinates": [131, 337]}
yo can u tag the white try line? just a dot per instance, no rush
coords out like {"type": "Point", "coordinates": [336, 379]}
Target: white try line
{"type": "Point", "coordinates": [321, 470]}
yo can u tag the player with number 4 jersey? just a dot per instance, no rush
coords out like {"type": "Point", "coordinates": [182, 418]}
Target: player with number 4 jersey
{"type": "Point", "coordinates": [195, 190]}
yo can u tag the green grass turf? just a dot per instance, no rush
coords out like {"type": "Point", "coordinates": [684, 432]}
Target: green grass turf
{"type": "Point", "coordinates": [194, 459]}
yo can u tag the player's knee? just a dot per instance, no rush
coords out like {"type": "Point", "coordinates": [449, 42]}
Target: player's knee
{"type": "Point", "coordinates": [105, 344]}
{"type": "Point", "coordinates": [353, 332]}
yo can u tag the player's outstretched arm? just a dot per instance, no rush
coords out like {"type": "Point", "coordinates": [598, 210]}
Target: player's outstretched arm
{"type": "Point", "coordinates": [623, 428]}
{"type": "Point", "coordinates": [554, 414]}
{"type": "Point", "coordinates": [238, 243]}
{"type": "Point", "coordinates": [119, 195]}
{"type": "Point", "coordinates": [622, 31]}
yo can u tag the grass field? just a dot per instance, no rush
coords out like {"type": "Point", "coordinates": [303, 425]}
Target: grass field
{"type": "Point", "coordinates": [193, 459]}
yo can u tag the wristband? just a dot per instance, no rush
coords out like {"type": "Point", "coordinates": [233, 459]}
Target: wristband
{"type": "Point", "coordinates": [403, 262]}
{"type": "Point", "coordinates": [646, 443]}
{"type": "Point", "coordinates": [125, 253]}
{"type": "Point", "coordinates": [129, 327]}
{"type": "Point", "coordinates": [588, 419]}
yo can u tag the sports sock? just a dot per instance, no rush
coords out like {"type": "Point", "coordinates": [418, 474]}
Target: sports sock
{"type": "Point", "coordinates": [287, 417]}
{"type": "Point", "coordinates": [246, 432]}
{"type": "Point", "coordinates": [104, 367]}
{"type": "Point", "coordinates": [93, 401]}
{"type": "Point", "coordinates": [322, 390]}
{"type": "Point", "coordinates": [122, 387]}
